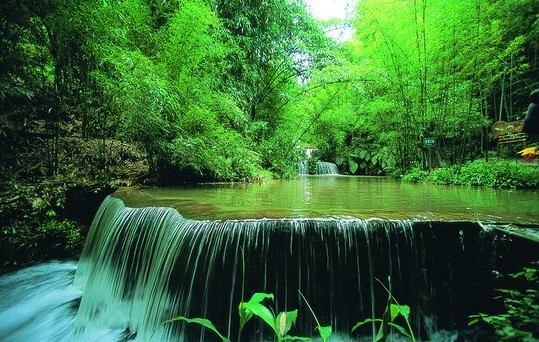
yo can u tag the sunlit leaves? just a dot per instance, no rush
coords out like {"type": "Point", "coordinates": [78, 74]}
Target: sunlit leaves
{"type": "Point", "coordinates": [280, 323]}
{"type": "Point", "coordinates": [276, 41]}
{"type": "Point", "coordinates": [425, 70]}
{"type": "Point", "coordinates": [190, 44]}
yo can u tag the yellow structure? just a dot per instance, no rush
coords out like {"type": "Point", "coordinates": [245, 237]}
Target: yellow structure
{"type": "Point", "coordinates": [529, 152]}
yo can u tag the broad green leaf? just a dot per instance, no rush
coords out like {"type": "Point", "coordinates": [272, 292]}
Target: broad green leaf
{"type": "Point", "coordinates": [401, 330]}
{"type": "Point", "coordinates": [368, 320]}
{"type": "Point", "coordinates": [260, 296]}
{"type": "Point", "coordinates": [394, 311]}
{"type": "Point", "coordinates": [363, 154]}
{"type": "Point", "coordinates": [285, 321]}
{"type": "Point", "coordinates": [245, 313]}
{"type": "Point", "coordinates": [325, 332]}
{"type": "Point", "coordinates": [201, 321]}
{"type": "Point", "coordinates": [264, 313]}
{"type": "Point", "coordinates": [404, 310]}
{"type": "Point", "coordinates": [380, 335]}
{"type": "Point", "coordinates": [353, 166]}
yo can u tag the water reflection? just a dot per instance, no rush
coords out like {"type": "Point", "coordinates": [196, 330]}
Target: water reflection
{"type": "Point", "coordinates": [325, 196]}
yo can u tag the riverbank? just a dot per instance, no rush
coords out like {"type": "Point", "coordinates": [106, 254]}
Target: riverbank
{"type": "Point", "coordinates": [47, 217]}
{"type": "Point", "coordinates": [46, 220]}
{"type": "Point", "coordinates": [497, 173]}
{"type": "Point", "coordinates": [48, 200]}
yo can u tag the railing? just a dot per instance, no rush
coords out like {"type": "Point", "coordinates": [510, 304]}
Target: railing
{"type": "Point", "coordinates": [509, 133]}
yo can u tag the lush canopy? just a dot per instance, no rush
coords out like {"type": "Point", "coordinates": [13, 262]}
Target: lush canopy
{"type": "Point", "coordinates": [229, 90]}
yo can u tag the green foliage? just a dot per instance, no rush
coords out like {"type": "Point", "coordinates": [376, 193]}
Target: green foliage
{"type": "Point", "coordinates": [165, 99]}
{"type": "Point", "coordinates": [367, 159]}
{"type": "Point", "coordinates": [451, 69]}
{"type": "Point", "coordinates": [324, 331]}
{"type": "Point", "coordinates": [520, 320]}
{"type": "Point", "coordinates": [24, 243]}
{"type": "Point", "coordinates": [497, 174]}
{"type": "Point", "coordinates": [33, 203]}
{"type": "Point", "coordinates": [283, 321]}
{"type": "Point", "coordinates": [167, 75]}
{"type": "Point", "coordinates": [276, 42]}
{"type": "Point", "coordinates": [200, 321]}
{"type": "Point", "coordinates": [393, 311]}
{"type": "Point", "coordinates": [279, 154]}
{"type": "Point", "coordinates": [32, 228]}
{"type": "Point", "coordinates": [416, 175]}
{"type": "Point", "coordinates": [280, 323]}
{"type": "Point", "coordinates": [198, 92]}
{"type": "Point", "coordinates": [216, 154]}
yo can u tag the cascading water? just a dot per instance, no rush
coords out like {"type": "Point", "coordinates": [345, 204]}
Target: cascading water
{"type": "Point", "coordinates": [326, 168]}
{"type": "Point", "coordinates": [142, 266]}
{"type": "Point", "coordinates": [39, 303]}
{"type": "Point", "coordinates": [303, 167]}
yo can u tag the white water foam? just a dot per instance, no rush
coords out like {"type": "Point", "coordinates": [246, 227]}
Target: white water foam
{"type": "Point", "coordinates": [39, 303]}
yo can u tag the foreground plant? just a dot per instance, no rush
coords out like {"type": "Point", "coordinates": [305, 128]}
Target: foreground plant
{"type": "Point", "coordinates": [283, 321]}
{"type": "Point", "coordinates": [393, 310]}
{"type": "Point", "coordinates": [521, 318]}
{"type": "Point", "coordinates": [280, 323]}
{"type": "Point", "coordinates": [201, 321]}
{"type": "Point", "coordinates": [324, 331]}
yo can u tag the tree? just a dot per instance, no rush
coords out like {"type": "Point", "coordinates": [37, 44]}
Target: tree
{"type": "Point", "coordinates": [44, 70]}
{"type": "Point", "coordinates": [277, 42]}
{"type": "Point", "coordinates": [438, 67]}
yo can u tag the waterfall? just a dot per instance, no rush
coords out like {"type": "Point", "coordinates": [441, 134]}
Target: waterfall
{"type": "Point", "coordinates": [326, 168]}
{"type": "Point", "coordinates": [142, 266]}
{"type": "Point", "coordinates": [39, 303]}
{"type": "Point", "coordinates": [303, 167]}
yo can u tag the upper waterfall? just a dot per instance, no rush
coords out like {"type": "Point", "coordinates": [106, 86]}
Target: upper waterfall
{"type": "Point", "coordinates": [326, 168]}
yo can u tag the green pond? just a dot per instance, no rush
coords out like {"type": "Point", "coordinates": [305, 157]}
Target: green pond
{"type": "Point", "coordinates": [330, 196]}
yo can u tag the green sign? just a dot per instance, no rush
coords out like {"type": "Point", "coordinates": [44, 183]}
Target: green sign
{"type": "Point", "coordinates": [429, 141]}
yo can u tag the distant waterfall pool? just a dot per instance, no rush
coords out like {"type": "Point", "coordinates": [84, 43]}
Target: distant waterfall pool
{"type": "Point", "coordinates": [326, 168]}
{"type": "Point", "coordinates": [319, 168]}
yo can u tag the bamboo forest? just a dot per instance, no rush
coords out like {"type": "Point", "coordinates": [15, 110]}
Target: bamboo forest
{"type": "Point", "coordinates": [269, 170]}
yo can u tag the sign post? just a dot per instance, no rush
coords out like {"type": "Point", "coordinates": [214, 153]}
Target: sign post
{"type": "Point", "coordinates": [429, 142]}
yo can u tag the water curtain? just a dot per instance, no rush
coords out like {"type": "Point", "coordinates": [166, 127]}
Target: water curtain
{"type": "Point", "coordinates": [141, 266]}
{"type": "Point", "coordinates": [326, 168]}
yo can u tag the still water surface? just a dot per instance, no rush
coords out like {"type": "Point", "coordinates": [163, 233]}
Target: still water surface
{"type": "Point", "coordinates": [327, 196]}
